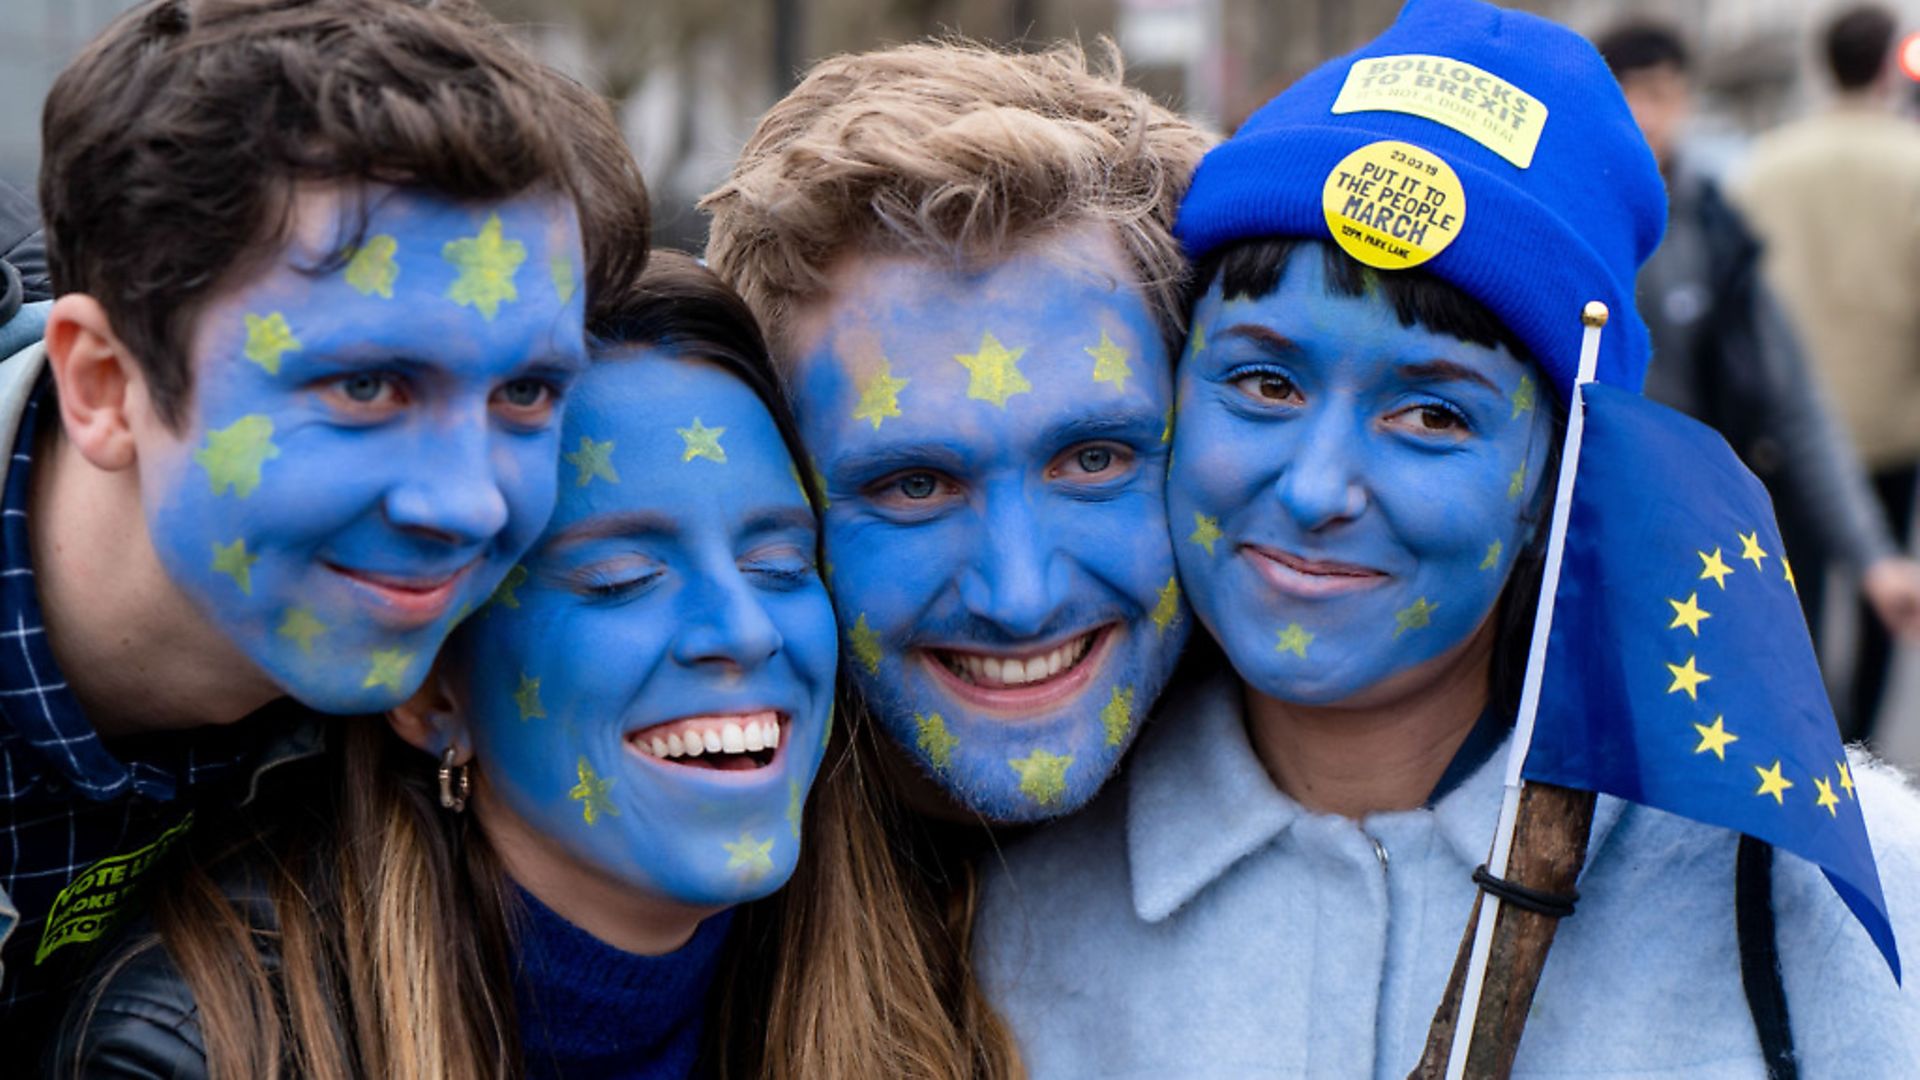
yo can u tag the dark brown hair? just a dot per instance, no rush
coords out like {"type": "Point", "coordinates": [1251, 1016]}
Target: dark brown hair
{"type": "Point", "coordinates": [173, 142]}
{"type": "Point", "coordinates": [1857, 43]}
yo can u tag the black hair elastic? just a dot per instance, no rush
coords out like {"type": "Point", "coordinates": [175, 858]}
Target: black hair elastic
{"type": "Point", "coordinates": [1553, 905]}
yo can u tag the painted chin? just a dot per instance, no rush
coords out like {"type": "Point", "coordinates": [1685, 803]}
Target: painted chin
{"type": "Point", "coordinates": [405, 602]}
{"type": "Point", "coordinates": [1310, 579]}
{"type": "Point", "coordinates": [1021, 685]}
{"type": "Point", "coordinates": [740, 749]}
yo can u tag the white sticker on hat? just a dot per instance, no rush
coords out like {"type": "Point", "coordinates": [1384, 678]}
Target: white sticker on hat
{"type": "Point", "coordinates": [1393, 205]}
{"type": "Point", "coordinates": [1472, 101]}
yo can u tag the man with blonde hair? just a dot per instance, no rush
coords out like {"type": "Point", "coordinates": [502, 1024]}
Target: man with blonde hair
{"type": "Point", "coordinates": [965, 263]}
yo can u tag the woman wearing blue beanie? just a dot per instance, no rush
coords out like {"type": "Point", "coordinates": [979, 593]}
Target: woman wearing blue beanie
{"type": "Point", "coordinates": [1393, 257]}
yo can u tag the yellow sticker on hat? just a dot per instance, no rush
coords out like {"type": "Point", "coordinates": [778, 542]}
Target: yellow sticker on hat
{"type": "Point", "coordinates": [1393, 205]}
{"type": "Point", "coordinates": [1472, 101]}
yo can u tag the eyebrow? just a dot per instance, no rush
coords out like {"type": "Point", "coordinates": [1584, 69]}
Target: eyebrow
{"type": "Point", "coordinates": [1271, 339]}
{"type": "Point", "coordinates": [881, 460]}
{"type": "Point", "coordinates": [1446, 371]}
{"type": "Point", "coordinates": [607, 526]}
{"type": "Point", "coordinates": [1113, 424]}
{"type": "Point", "coordinates": [786, 517]}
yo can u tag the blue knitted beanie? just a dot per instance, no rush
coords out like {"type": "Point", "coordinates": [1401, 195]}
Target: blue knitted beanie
{"type": "Point", "coordinates": [1489, 148]}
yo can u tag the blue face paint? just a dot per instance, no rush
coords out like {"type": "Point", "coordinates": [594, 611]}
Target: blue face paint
{"type": "Point", "coordinates": [370, 447]}
{"type": "Point", "coordinates": [993, 450]}
{"type": "Point", "coordinates": [672, 604]}
{"type": "Point", "coordinates": [1352, 492]}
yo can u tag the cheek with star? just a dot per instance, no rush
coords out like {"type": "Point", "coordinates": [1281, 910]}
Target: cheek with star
{"type": "Point", "coordinates": [993, 447]}
{"type": "Point", "coordinates": [1352, 491]}
{"type": "Point", "coordinates": [649, 699]}
{"type": "Point", "coordinates": [370, 439]}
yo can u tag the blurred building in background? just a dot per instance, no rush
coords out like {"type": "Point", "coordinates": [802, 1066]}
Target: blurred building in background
{"type": "Point", "coordinates": [693, 75]}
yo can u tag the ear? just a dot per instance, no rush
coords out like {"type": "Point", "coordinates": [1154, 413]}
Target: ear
{"type": "Point", "coordinates": [99, 385]}
{"type": "Point", "coordinates": [431, 720]}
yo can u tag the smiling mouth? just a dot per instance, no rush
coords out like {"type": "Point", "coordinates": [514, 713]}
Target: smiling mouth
{"type": "Point", "coordinates": [407, 601]}
{"type": "Point", "coordinates": [1311, 578]}
{"type": "Point", "coordinates": [1022, 681]}
{"type": "Point", "coordinates": [730, 742]}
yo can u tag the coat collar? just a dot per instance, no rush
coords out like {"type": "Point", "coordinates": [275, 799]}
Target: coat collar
{"type": "Point", "coordinates": [1198, 801]}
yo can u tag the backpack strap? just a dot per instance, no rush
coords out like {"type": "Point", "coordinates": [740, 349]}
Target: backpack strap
{"type": "Point", "coordinates": [1760, 957]}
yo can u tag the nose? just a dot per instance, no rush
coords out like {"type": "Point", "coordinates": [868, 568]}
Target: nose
{"type": "Point", "coordinates": [1006, 584]}
{"type": "Point", "coordinates": [722, 621]}
{"type": "Point", "coordinates": [1321, 485]}
{"type": "Point", "coordinates": [450, 490]}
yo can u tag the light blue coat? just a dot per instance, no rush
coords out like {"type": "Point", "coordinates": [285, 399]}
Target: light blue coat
{"type": "Point", "coordinates": [1196, 922]}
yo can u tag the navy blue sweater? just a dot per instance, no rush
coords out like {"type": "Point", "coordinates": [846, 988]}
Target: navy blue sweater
{"type": "Point", "coordinates": [589, 1011]}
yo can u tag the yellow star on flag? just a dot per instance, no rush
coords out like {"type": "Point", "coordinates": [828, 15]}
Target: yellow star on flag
{"type": "Point", "coordinates": [1750, 549]}
{"type": "Point", "coordinates": [1772, 783]}
{"type": "Point", "coordinates": [300, 626]}
{"type": "Point", "coordinates": [1493, 556]}
{"type": "Point", "coordinates": [1715, 738]}
{"type": "Point", "coordinates": [996, 371]}
{"type": "Point", "coordinates": [1167, 609]}
{"type": "Point", "coordinates": [1116, 716]}
{"type": "Point", "coordinates": [865, 644]}
{"type": "Point", "coordinates": [1687, 677]}
{"type": "Point", "coordinates": [934, 740]}
{"type": "Point", "coordinates": [487, 263]}
{"type": "Point", "coordinates": [1206, 531]}
{"type": "Point", "coordinates": [1517, 482]}
{"type": "Point", "coordinates": [388, 668]}
{"type": "Point", "coordinates": [1826, 800]}
{"type": "Point", "coordinates": [233, 561]}
{"type": "Point", "coordinates": [1522, 396]}
{"type": "Point", "coordinates": [591, 794]}
{"type": "Point", "coordinates": [233, 455]}
{"type": "Point", "coordinates": [1109, 362]}
{"type": "Point", "coordinates": [1846, 778]}
{"type": "Point", "coordinates": [591, 460]}
{"type": "Point", "coordinates": [702, 442]}
{"type": "Point", "coordinates": [1713, 568]}
{"type": "Point", "coordinates": [795, 807]}
{"type": "Point", "coordinates": [1688, 614]}
{"type": "Point", "coordinates": [1294, 640]}
{"type": "Point", "coordinates": [880, 395]}
{"type": "Point", "coordinates": [1787, 565]}
{"type": "Point", "coordinates": [268, 339]}
{"type": "Point", "coordinates": [527, 698]}
{"type": "Point", "coordinates": [750, 858]}
{"type": "Point", "coordinates": [1043, 776]}
{"type": "Point", "coordinates": [1414, 616]}
{"type": "Point", "coordinates": [371, 270]}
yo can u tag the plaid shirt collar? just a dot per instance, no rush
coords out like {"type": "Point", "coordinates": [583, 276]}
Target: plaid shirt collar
{"type": "Point", "coordinates": [38, 707]}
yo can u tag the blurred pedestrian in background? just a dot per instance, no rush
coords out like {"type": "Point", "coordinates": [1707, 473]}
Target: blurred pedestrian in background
{"type": "Point", "coordinates": [1836, 199]}
{"type": "Point", "coordinates": [1724, 351]}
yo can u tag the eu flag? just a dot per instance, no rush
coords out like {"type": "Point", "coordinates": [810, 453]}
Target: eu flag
{"type": "Point", "coordinates": [1679, 673]}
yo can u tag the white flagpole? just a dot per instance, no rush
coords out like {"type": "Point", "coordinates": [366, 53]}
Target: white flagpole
{"type": "Point", "coordinates": [1593, 318]}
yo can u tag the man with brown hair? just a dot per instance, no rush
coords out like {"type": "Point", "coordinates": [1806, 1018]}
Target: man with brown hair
{"type": "Point", "coordinates": [966, 267]}
{"type": "Point", "coordinates": [320, 287]}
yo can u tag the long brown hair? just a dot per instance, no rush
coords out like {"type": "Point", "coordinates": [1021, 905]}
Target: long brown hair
{"type": "Point", "coordinates": [391, 928]}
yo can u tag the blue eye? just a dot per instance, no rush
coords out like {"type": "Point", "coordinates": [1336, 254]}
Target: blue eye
{"type": "Point", "coordinates": [918, 485]}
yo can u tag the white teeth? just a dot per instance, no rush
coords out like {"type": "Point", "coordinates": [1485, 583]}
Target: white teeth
{"type": "Point", "coordinates": [659, 746]}
{"type": "Point", "coordinates": [674, 747]}
{"type": "Point", "coordinates": [694, 748]}
{"type": "Point", "coordinates": [1003, 671]}
{"type": "Point", "coordinates": [713, 743]}
{"type": "Point", "coordinates": [773, 734]}
{"type": "Point", "coordinates": [1036, 669]}
{"type": "Point", "coordinates": [732, 740]}
{"type": "Point", "coordinates": [754, 737]}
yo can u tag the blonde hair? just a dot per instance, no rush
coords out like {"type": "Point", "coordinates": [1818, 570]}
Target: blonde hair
{"type": "Point", "coordinates": [951, 151]}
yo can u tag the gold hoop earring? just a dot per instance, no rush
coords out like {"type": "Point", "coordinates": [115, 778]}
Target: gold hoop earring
{"type": "Point", "coordinates": [455, 783]}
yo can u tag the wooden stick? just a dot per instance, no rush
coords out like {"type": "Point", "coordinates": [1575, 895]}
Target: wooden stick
{"type": "Point", "coordinates": [1549, 848]}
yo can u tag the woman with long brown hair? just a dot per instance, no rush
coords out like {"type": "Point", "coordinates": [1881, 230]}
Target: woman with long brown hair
{"type": "Point", "coordinates": [544, 863]}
